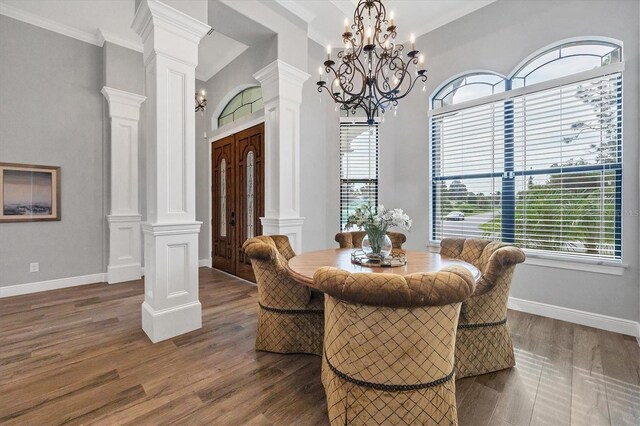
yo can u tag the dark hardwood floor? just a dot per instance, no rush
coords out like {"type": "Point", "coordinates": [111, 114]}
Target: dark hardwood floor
{"type": "Point", "coordinates": [79, 356]}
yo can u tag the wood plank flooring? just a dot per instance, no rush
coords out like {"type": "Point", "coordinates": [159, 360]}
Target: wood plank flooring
{"type": "Point", "coordinates": [79, 356]}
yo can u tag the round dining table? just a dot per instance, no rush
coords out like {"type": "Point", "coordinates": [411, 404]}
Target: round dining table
{"type": "Point", "coordinates": [302, 267]}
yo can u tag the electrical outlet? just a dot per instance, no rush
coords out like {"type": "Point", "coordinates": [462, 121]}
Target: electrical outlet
{"type": "Point", "coordinates": [34, 267]}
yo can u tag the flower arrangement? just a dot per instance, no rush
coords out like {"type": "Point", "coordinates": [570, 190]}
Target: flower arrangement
{"type": "Point", "coordinates": [376, 224]}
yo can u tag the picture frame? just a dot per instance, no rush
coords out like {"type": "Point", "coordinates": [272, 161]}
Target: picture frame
{"type": "Point", "coordinates": [29, 193]}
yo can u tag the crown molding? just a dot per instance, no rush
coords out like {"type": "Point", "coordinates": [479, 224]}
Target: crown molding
{"type": "Point", "coordinates": [316, 35]}
{"type": "Point", "coordinates": [107, 36]}
{"type": "Point", "coordinates": [48, 24]}
{"type": "Point", "coordinates": [346, 7]}
{"type": "Point", "coordinates": [444, 19]}
{"type": "Point", "coordinates": [279, 69]}
{"type": "Point", "coordinates": [163, 15]}
{"type": "Point", "coordinates": [297, 9]}
{"type": "Point", "coordinates": [120, 96]}
{"type": "Point", "coordinates": [123, 104]}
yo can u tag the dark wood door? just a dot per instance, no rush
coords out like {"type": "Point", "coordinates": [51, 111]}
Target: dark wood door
{"type": "Point", "coordinates": [237, 212]}
{"type": "Point", "coordinates": [223, 199]}
{"type": "Point", "coordinates": [249, 193]}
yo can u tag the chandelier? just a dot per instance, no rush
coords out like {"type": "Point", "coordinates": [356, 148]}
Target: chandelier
{"type": "Point", "coordinates": [371, 73]}
{"type": "Point", "coordinates": [201, 101]}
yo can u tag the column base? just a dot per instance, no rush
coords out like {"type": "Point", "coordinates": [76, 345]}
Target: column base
{"type": "Point", "coordinates": [122, 273]}
{"type": "Point", "coordinates": [124, 248]}
{"type": "Point", "coordinates": [168, 323]}
{"type": "Point", "coordinates": [171, 306]}
{"type": "Point", "coordinates": [291, 227]}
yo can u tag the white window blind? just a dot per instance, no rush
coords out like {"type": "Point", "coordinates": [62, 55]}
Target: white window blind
{"type": "Point", "coordinates": [542, 169]}
{"type": "Point", "coordinates": [358, 167]}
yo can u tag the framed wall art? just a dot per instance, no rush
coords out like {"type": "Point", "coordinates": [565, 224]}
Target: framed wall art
{"type": "Point", "coordinates": [29, 193]}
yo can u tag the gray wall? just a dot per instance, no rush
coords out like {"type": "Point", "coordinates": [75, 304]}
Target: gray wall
{"type": "Point", "coordinates": [202, 177]}
{"type": "Point", "coordinates": [319, 146]}
{"type": "Point", "coordinates": [51, 113]}
{"type": "Point", "coordinates": [123, 68]}
{"type": "Point", "coordinates": [498, 37]}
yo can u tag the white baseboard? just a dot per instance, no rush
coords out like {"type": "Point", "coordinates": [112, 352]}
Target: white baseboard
{"type": "Point", "coordinates": [204, 263]}
{"type": "Point", "coordinates": [19, 289]}
{"type": "Point", "coordinates": [122, 273]}
{"type": "Point", "coordinates": [603, 322]}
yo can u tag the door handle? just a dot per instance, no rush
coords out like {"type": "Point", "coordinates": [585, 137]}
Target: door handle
{"type": "Point", "coordinates": [232, 222]}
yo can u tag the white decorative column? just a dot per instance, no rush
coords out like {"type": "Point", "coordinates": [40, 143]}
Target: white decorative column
{"type": "Point", "coordinates": [171, 306]}
{"type": "Point", "coordinates": [124, 217]}
{"type": "Point", "coordinates": [282, 94]}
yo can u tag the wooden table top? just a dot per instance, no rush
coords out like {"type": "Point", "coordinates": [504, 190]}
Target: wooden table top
{"type": "Point", "coordinates": [303, 266]}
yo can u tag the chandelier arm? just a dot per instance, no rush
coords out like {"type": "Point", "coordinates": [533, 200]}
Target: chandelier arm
{"type": "Point", "coordinates": [349, 88]}
{"type": "Point", "coordinates": [362, 79]}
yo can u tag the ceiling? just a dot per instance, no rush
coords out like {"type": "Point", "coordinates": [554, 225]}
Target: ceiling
{"type": "Point", "coordinates": [95, 21]}
{"type": "Point", "coordinates": [325, 18]}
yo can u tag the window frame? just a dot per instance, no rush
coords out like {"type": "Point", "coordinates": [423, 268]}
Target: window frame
{"type": "Point", "coordinates": [346, 121]}
{"type": "Point", "coordinates": [508, 173]}
{"type": "Point", "coordinates": [240, 95]}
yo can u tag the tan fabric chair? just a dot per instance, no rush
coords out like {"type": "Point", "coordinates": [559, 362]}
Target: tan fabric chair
{"type": "Point", "coordinates": [354, 239]}
{"type": "Point", "coordinates": [484, 343]}
{"type": "Point", "coordinates": [389, 345]}
{"type": "Point", "coordinates": [290, 316]}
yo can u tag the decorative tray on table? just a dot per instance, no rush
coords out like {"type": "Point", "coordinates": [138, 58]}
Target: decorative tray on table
{"type": "Point", "coordinates": [395, 259]}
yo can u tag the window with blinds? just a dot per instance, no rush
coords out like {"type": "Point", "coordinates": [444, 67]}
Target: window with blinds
{"type": "Point", "coordinates": [358, 167]}
{"type": "Point", "coordinates": [537, 166]}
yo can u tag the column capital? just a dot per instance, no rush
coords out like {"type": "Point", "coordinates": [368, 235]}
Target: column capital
{"type": "Point", "coordinates": [280, 79]}
{"type": "Point", "coordinates": [165, 23]}
{"type": "Point", "coordinates": [123, 104]}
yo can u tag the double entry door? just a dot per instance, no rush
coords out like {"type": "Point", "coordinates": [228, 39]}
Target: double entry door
{"type": "Point", "coordinates": [237, 164]}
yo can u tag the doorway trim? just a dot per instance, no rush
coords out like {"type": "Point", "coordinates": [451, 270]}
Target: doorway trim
{"type": "Point", "coordinates": [221, 133]}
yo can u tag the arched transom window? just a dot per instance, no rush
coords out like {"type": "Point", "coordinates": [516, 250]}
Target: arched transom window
{"type": "Point", "coordinates": [566, 59]}
{"type": "Point", "coordinates": [468, 87]}
{"type": "Point", "coordinates": [534, 159]}
{"type": "Point", "coordinates": [244, 103]}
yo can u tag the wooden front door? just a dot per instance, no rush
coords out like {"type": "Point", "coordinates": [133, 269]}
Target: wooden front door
{"type": "Point", "coordinates": [237, 197]}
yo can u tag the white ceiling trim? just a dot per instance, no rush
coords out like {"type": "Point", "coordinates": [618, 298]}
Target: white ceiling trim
{"type": "Point", "coordinates": [297, 9]}
{"type": "Point", "coordinates": [315, 35]}
{"type": "Point", "coordinates": [47, 24]}
{"type": "Point", "coordinates": [450, 17]}
{"type": "Point", "coordinates": [108, 36]}
{"type": "Point", "coordinates": [345, 7]}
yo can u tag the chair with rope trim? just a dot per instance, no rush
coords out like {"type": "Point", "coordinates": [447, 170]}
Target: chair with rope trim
{"type": "Point", "coordinates": [290, 315]}
{"type": "Point", "coordinates": [483, 344]}
{"type": "Point", "coordinates": [389, 345]}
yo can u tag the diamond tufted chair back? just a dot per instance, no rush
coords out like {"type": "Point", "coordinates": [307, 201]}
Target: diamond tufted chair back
{"type": "Point", "coordinates": [354, 239]}
{"type": "Point", "coordinates": [484, 342]}
{"type": "Point", "coordinates": [290, 316]}
{"type": "Point", "coordinates": [389, 345]}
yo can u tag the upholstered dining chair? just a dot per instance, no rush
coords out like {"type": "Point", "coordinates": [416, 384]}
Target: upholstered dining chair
{"type": "Point", "coordinates": [354, 239]}
{"type": "Point", "coordinates": [483, 344]}
{"type": "Point", "coordinates": [290, 315]}
{"type": "Point", "coordinates": [389, 345]}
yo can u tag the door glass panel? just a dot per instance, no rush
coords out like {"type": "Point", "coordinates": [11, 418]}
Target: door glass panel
{"type": "Point", "coordinates": [250, 195]}
{"type": "Point", "coordinates": [223, 198]}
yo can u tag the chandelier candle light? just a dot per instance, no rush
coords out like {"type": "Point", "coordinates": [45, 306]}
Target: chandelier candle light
{"type": "Point", "coordinates": [201, 101]}
{"type": "Point", "coordinates": [371, 73]}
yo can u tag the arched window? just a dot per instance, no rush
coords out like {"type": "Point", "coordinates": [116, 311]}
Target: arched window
{"type": "Point", "coordinates": [468, 87]}
{"type": "Point", "coordinates": [566, 59]}
{"type": "Point", "coordinates": [244, 103]}
{"type": "Point", "coordinates": [536, 159]}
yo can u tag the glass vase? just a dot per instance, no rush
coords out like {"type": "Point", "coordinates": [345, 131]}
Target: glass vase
{"type": "Point", "coordinates": [376, 244]}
